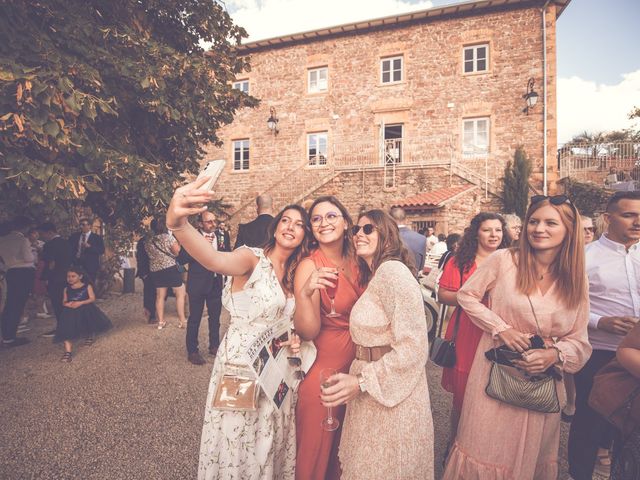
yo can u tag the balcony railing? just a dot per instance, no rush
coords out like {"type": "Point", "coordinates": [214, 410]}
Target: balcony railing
{"type": "Point", "coordinates": [592, 162]}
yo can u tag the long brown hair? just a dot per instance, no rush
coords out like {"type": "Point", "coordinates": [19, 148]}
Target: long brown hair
{"type": "Point", "coordinates": [465, 255]}
{"type": "Point", "coordinates": [347, 244]}
{"type": "Point", "coordinates": [300, 252]}
{"type": "Point", "coordinates": [390, 246]}
{"type": "Point", "coordinates": [569, 265]}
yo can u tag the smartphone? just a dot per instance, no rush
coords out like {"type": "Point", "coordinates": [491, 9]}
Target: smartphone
{"type": "Point", "coordinates": [212, 169]}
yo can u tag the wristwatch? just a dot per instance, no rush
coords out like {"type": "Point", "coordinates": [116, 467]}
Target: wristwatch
{"type": "Point", "coordinates": [560, 354]}
{"type": "Point", "coordinates": [361, 384]}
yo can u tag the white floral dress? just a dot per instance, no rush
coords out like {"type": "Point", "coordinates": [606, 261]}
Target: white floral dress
{"type": "Point", "coordinates": [249, 445]}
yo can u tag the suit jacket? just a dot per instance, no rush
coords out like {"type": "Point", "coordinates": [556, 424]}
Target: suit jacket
{"type": "Point", "coordinates": [416, 243]}
{"type": "Point", "coordinates": [90, 258]}
{"type": "Point", "coordinates": [224, 240]}
{"type": "Point", "coordinates": [57, 256]}
{"type": "Point", "coordinates": [254, 234]}
{"type": "Point", "coordinates": [199, 278]}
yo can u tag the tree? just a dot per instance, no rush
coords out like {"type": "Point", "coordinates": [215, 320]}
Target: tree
{"type": "Point", "coordinates": [108, 104]}
{"type": "Point", "coordinates": [516, 183]}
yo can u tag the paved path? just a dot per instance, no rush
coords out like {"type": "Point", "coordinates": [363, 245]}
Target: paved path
{"type": "Point", "coordinates": [128, 407]}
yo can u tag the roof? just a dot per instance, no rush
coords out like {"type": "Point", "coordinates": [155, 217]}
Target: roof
{"type": "Point", "coordinates": [474, 7]}
{"type": "Point", "coordinates": [434, 198]}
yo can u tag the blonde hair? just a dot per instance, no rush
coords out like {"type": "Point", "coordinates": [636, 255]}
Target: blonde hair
{"type": "Point", "coordinates": [568, 267]}
{"type": "Point", "coordinates": [601, 224]}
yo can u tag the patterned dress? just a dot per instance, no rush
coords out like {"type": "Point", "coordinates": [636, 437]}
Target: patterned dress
{"type": "Point", "coordinates": [249, 445]}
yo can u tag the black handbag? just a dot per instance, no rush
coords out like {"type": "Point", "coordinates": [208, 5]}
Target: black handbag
{"type": "Point", "coordinates": [443, 352]}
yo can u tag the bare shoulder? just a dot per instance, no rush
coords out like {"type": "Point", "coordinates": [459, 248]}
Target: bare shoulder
{"type": "Point", "coordinates": [305, 267]}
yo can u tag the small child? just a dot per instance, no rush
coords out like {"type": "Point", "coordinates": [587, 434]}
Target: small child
{"type": "Point", "coordinates": [80, 317]}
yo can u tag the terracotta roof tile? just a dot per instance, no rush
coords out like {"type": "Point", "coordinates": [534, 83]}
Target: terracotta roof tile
{"type": "Point", "coordinates": [434, 198]}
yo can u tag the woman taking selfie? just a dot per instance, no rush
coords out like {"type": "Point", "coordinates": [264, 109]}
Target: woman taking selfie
{"type": "Point", "coordinates": [540, 289]}
{"type": "Point", "coordinates": [486, 234]}
{"type": "Point", "coordinates": [326, 287]}
{"type": "Point", "coordinates": [388, 429]}
{"type": "Point", "coordinates": [258, 443]}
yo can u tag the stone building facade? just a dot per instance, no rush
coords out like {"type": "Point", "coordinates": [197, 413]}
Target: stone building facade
{"type": "Point", "coordinates": [381, 111]}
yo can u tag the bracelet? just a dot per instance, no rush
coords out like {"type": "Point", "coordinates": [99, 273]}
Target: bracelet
{"type": "Point", "coordinates": [177, 229]}
{"type": "Point", "coordinates": [560, 354]}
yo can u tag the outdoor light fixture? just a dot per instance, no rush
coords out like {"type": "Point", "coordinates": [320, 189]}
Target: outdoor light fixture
{"type": "Point", "coordinates": [272, 123]}
{"type": "Point", "coordinates": [531, 97]}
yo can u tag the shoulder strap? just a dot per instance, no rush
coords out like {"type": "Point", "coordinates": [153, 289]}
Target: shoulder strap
{"type": "Point", "coordinates": [534, 315]}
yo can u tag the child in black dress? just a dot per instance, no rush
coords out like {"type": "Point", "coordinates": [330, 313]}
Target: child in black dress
{"type": "Point", "coordinates": [80, 317]}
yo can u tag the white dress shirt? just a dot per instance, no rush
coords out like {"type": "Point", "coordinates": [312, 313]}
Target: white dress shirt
{"type": "Point", "coordinates": [16, 252]}
{"type": "Point", "coordinates": [614, 280]}
{"type": "Point", "coordinates": [439, 248]}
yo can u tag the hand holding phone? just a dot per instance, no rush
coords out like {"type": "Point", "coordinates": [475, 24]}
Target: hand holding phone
{"type": "Point", "coordinates": [212, 170]}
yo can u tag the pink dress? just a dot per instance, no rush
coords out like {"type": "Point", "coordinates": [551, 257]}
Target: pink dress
{"type": "Point", "coordinates": [495, 440]}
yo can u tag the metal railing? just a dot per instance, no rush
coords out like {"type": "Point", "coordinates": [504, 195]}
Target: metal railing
{"type": "Point", "coordinates": [594, 161]}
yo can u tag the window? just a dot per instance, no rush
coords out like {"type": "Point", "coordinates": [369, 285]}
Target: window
{"type": "Point", "coordinates": [317, 148]}
{"type": "Point", "coordinates": [242, 85]}
{"type": "Point", "coordinates": [476, 58]}
{"type": "Point", "coordinates": [318, 80]}
{"type": "Point", "coordinates": [391, 69]}
{"type": "Point", "coordinates": [475, 136]}
{"type": "Point", "coordinates": [241, 155]}
{"type": "Point", "coordinates": [393, 144]}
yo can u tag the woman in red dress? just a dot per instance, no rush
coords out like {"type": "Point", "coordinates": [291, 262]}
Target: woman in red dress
{"type": "Point", "coordinates": [487, 233]}
{"type": "Point", "coordinates": [333, 261]}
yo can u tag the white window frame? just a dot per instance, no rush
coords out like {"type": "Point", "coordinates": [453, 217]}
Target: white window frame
{"type": "Point", "coordinates": [317, 84]}
{"type": "Point", "coordinates": [391, 70]}
{"type": "Point", "coordinates": [245, 147]}
{"type": "Point", "coordinates": [242, 85]}
{"type": "Point", "coordinates": [473, 147]}
{"type": "Point", "coordinates": [474, 60]}
{"type": "Point", "coordinates": [315, 139]}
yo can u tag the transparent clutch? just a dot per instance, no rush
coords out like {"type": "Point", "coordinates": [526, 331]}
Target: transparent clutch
{"type": "Point", "coordinates": [237, 389]}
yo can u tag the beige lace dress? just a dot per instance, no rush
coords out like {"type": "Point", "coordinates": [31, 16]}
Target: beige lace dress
{"type": "Point", "coordinates": [388, 431]}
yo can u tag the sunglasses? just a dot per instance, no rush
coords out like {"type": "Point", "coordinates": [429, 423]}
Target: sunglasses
{"type": "Point", "coordinates": [554, 200]}
{"type": "Point", "coordinates": [590, 229]}
{"type": "Point", "coordinates": [367, 228]}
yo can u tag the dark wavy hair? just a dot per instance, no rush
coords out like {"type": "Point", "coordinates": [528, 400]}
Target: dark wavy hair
{"type": "Point", "coordinates": [468, 246]}
{"type": "Point", "coordinates": [81, 272]}
{"type": "Point", "coordinates": [347, 244]}
{"type": "Point", "coordinates": [390, 246]}
{"type": "Point", "coordinates": [301, 250]}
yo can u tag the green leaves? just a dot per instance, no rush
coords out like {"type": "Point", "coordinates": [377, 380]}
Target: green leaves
{"type": "Point", "coordinates": [107, 103]}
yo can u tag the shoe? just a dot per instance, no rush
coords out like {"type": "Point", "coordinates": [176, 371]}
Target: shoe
{"type": "Point", "coordinates": [152, 321]}
{"type": "Point", "coordinates": [161, 325]}
{"type": "Point", "coordinates": [180, 325]}
{"type": "Point", "coordinates": [66, 357]}
{"type": "Point", "coordinates": [89, 341]}
{"type": "Point", "coordinates": [16, 343]}
{"type": "Point", "coordinates": [49, 334]}
{"type": "Point", "coordinates": [23, 328]}
{"type": "Point", "coordinates": [196, 358]}
{"type": "Point", "coordinates": [213, 351]}
{"type": "Point", "coordinates": [43, 315]}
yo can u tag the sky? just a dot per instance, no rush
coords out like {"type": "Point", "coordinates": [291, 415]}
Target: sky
{"type": "Point", "coordinates": [597, 49]}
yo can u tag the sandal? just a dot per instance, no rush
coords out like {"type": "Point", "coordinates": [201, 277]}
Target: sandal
{"type": "Point", "coordinates": [604, 460]}
{"type": "Point", "coordinates": [89, 341]}
{"type": "Point", "coordinates": [67, 357]}
{"type": "Point", "coordinates": [161, 325]}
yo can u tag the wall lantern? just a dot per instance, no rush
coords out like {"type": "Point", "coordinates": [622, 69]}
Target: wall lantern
{"type": "Point", "coordinates": [272, 122]}
{"type": "Point", "coordinates": [531, 97]}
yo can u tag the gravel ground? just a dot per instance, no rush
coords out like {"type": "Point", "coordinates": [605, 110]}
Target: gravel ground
{"type": "Point", "coordinates": [128, 407]}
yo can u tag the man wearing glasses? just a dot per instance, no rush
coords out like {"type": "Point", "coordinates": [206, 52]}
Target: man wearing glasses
{"type": "Point", "coordinates": [87, 247]}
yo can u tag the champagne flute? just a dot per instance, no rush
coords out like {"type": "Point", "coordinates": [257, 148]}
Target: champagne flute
{"type": "Point", "coordinates": [329, 423]}
{"type": "Point", "coordinates": [331, 292]}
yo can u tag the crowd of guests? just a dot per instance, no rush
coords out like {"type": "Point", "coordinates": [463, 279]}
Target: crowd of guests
{"type": "Point", "coordinates": [556, 292]}
{"type": "Point", "coordinates": [350, 289]}
{"type": "Point", "coordinates": [40, 263]}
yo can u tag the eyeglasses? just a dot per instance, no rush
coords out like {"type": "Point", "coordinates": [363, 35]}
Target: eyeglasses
{"type": "Point", "coordinates": [84, 224]}
{"type": "Point", "coordinates": [331, 218]}
{"type": "Point", "coordinates": [367, 229]}
{"type": "Point", "coordinates": [297, 362]}
{"type": "Point", "coordinates": [554, 200]}
{"type": "Point", "coordinates": [590, 229]}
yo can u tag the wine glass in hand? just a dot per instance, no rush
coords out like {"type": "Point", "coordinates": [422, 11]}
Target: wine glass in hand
{"type": "Point", "coordinates": [329, 423]}
{"type": "Point", "coordinates": [331, 292]}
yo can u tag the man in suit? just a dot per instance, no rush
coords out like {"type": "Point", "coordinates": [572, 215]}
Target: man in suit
{"type": "Point", "coordinates": [416, 243]}
{"type": "Point", "coordinates": [87, 247]}
{"type": "Point", "coordinates": [203, 286]}
{"type": "Point", "coordinates": [223, 237]}
{"type": "Point", "coordinates": [254, 234]}
{"type": "Point", "coordinates": [57, 255]}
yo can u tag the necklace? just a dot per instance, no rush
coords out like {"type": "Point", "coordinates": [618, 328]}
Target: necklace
{"type": "Point", "coordinates": [541, 275]}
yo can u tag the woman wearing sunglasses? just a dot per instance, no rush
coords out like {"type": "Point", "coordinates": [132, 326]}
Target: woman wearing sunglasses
{"type": "Point", "coordinates": [537, 288]}
{"type": "Point", "coordinates": [326, 287]}
{"type": "Point", "coordinates": [258, 443]}
{"type": "Point", "coordinates": [388, 429]}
